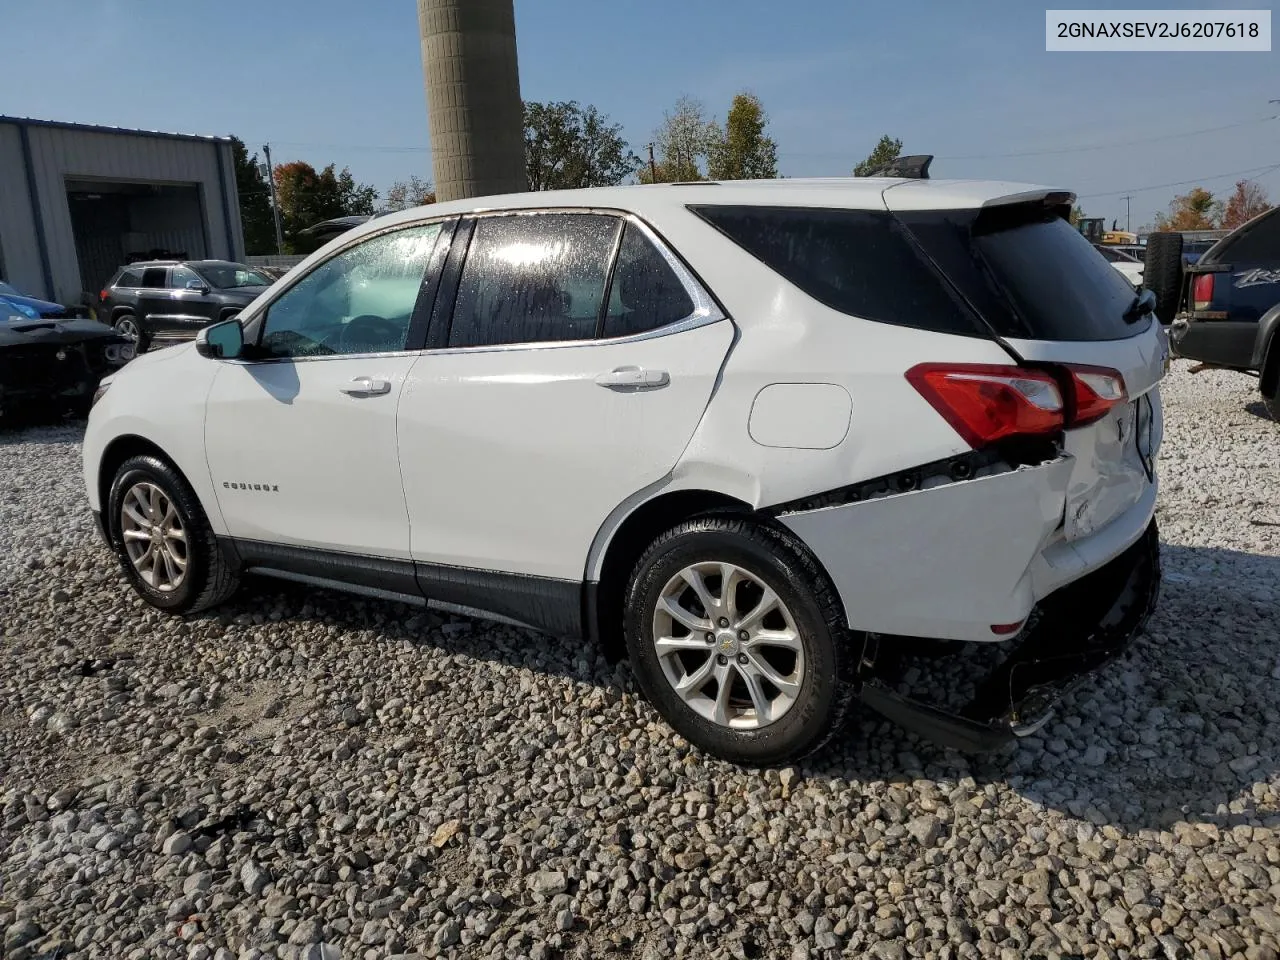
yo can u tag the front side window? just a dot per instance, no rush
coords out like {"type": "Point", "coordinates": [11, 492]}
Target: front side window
{"type": "Point", "coordinates": [153, 278]}
{"type": "Point", "coordinates": [229, 276]}
{"type": "Point", "coordinates": [533, 278]}
{"type": "Point", "coordinates": [360, 301]}
{"type": "Point", "coordinates": [646, 293]}
{"type": "Point", "coordinates": [179, 277]}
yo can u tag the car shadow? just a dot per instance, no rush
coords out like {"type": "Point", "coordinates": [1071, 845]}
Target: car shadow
{"type": "Point", "coordinates": [1175, 730]}
{"type": "Point", "coordinates": [1258, 409]}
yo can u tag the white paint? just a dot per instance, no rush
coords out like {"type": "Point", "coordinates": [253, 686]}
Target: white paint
{"type": "Point", "coordinates": [806, 416]}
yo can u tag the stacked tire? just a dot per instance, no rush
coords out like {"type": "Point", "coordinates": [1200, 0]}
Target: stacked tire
{"type": "Point", "coordinates": [1162, 274]}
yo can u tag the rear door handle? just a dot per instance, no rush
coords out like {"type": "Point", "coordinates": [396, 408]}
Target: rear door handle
{"type": "Point", "coordinates": [633, 378]}
{"type": "Point", "coordinates": [366, 387]}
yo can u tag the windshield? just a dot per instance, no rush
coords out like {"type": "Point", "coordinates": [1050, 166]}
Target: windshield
{"type": "Point", "coordinates": [229, 276]}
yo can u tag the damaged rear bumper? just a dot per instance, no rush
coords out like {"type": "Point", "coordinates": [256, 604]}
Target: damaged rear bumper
{"type": "Point", "coordinates": [1077, 629]}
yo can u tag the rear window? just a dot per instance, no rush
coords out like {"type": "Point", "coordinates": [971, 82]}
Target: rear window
{"type": "Point", "coordinates": [1028, 272]}
{"type": "Point", "coordinates": [1258, 241]}
{"type": "Point", "coordinates": [860, 262]}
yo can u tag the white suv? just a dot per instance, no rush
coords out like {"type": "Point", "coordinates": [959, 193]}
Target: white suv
{"type": "Point", "coordinates": [760, 437]}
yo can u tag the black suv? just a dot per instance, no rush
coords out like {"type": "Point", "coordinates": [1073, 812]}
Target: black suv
{"type": "Point", "coordinates": [169, 300]}
{"type": "Point", "coordinates": [1224, 310]}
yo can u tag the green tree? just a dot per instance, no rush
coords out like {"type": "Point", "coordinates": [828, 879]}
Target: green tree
{"type": "Point", "coordinates": [887, 149]}
{"type": "Point", "coordinates": [1077, 214]}
{"type": "Point", "coordinates": [681, 143]}
{"type": "Point", "coordinates": [1194, 210]}
{"type": "Point", "coordinates": [568, 146]}
{"type": "Point", "coordinates": [414, 192]}
{"type": "Point", "coordinates": [308, 196]}
{"type": "Point", "coordinates": [255, 202]}
{"type": "Point", "coordinates": [741, 150]}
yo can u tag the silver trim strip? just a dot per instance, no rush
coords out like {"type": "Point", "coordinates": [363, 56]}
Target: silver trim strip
{"type": "Point", "coordinates": [187, 317]}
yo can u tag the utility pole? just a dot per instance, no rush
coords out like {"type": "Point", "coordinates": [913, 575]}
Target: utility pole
{"type": "Point", "coordinates": [653, 167]}
{"type": "Point", "coordinates": [1126, 198]}
{"type": "Point", "coordinates": [275, 207]}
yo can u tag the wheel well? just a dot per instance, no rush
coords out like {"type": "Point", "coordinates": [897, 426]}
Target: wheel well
{"type": "Point", "coordinates": [118, 451]}
{"type": "Point", "coordinates": [604, 615]}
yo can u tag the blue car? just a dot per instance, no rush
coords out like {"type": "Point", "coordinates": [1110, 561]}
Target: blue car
{"type": "Point", "coordinates": [44, 309]}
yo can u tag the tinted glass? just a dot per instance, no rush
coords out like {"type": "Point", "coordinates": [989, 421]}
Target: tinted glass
{"type": "Point", "coordinates": [1029, 273]}
{"type": "Point", "coordinates": [532, 278]}
{"type": "Point", "coordinates": [646, 293]}
{"type": "Point", "coordinates": [859, 262]}
{"type": "Point", "coordinates": [154, 277]}
{"type": "Point", "coordinates": [130, 278]}
{"type": "Point", "coordinates": [227, 276]}
{"type": "Point", "coordinates": [6, 289]}
{"type": "Point", "coordinates": [1256, 242]}
{"type": "Point", "coordinates": [179, 277]}
{"type": "Point", "coordinates": [360, 301]}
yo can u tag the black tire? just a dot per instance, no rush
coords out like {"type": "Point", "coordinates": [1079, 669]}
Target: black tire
{"type": "Point", "coordinates": [142, 342]}
{"type": "Point", "coordinates": [210, 577]}
{"type": "Point", "coordinates": [1162, 273]}
{"type": "Point", "coordinates": [781, 562]}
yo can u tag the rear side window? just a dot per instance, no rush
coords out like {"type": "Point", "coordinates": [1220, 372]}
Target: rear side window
{"type": "Point", "coordinates": [130, 278]}
{"type": "Point", "coordinates": [1256, 242]}
{"type": "Point", "coordinates": [1028, 272]}
{"type": "Point", "coordinates": [860, 262]}
{"type": "Point", "coordinates": [646, 293]}
{"type": "Point", "coordinates": [533, 278]}
{"type": "Point", "coordinates": [154, 277]}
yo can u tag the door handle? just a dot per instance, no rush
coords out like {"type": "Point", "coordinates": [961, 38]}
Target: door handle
{"type": "Point", "coordinates": [634, 378]}
{"type": "Point", "coordinates": [366, 387]}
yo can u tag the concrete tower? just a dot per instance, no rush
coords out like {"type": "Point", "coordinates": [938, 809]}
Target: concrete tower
{"type": "Point", "coordinates": [473, 97]}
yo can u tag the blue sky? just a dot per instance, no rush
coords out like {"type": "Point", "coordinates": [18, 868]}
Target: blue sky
{"type": "Point", "coordinates": [970, 82]}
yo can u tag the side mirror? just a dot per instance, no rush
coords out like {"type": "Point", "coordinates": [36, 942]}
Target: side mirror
{"type": "Point", "coordinates": [222, 341]}
{"type": "Point", "coordinates": [198, 285]}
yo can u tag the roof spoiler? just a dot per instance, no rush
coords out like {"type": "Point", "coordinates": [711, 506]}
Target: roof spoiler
{"type": "Point", "coordinates": [914, 167]}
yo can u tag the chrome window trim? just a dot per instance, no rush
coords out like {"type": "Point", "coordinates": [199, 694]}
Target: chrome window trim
{"type": "Point", "coordinates": [177, 316]}
{"type": "Point", "coordinates": [705, 308]}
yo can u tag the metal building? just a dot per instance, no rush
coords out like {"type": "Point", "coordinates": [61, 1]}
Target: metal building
{"type": "Point", "coordinates": [77, 201]}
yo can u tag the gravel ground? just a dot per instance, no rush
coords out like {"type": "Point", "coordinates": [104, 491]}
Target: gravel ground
{"type": "Point", "coordinates": [307, 775]}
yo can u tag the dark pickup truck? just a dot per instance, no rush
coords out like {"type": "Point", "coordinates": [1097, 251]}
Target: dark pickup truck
{"type": "Point", "coordinates": [1227, 305]}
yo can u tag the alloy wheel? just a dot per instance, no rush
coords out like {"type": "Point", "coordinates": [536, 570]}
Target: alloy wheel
{"type": "Point", "coordinates": [728, 645]}
{"type": "Point", "coordinates": [154, 536]}
{"type": "Point", "coordinates": [127, 327]}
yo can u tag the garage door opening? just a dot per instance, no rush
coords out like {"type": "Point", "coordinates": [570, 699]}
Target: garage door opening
{"type": "Point", "coordinates": [116, 223]}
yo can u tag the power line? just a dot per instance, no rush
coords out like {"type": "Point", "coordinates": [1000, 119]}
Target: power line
{"type": "Point", "coordinates": [1059, 150]}
{"type": "Point", "coordinates": [1259, 171]}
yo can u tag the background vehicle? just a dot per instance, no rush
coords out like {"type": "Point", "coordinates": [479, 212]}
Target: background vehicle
{"type": "Point", "coordinates": [161, 300]}
{"type": "Point", "coordinates": [42, 308]}
{"type": "Point", "coordinates": [51, 367]}
{"type": "Point", "coordinates": [1125, 265]}
{"type": "Point", "coordinates": [1228, 304]}
{"type": "Point", "coordinates": [745, 433]}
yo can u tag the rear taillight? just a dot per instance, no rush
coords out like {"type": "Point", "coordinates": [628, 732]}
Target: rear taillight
{"type": "Point", "coordinates": [1094, 391]}
{"type": "Point", "coordinates": [1202, 291]}
{"type": "Point", "coordinates": [986, 403]}
{"type": "Point", "coordinates": [102, 295]}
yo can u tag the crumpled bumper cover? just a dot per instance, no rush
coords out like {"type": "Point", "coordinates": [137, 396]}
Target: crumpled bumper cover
{"type": "Point", "coordinates": [1080, 627]}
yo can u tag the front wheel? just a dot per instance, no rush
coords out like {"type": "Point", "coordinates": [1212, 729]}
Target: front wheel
{"type": "Point", "coordinates": [128, 327]}
{"type": "Point", "coordinates": [163, 540]}
{"type": "Point", "coordinates": [736, 636]}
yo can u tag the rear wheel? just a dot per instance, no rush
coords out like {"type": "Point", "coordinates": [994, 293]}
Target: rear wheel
{"type": "Point", "coordinates": [736, 637]}
{"type": "Point", "coordinates": [1162, 272]}
{"type": "Point", "coordinates": [163, 540]}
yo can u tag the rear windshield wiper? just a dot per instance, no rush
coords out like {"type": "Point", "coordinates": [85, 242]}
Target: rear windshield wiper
{"type": "Point", "coordinates": [1143, 303]}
